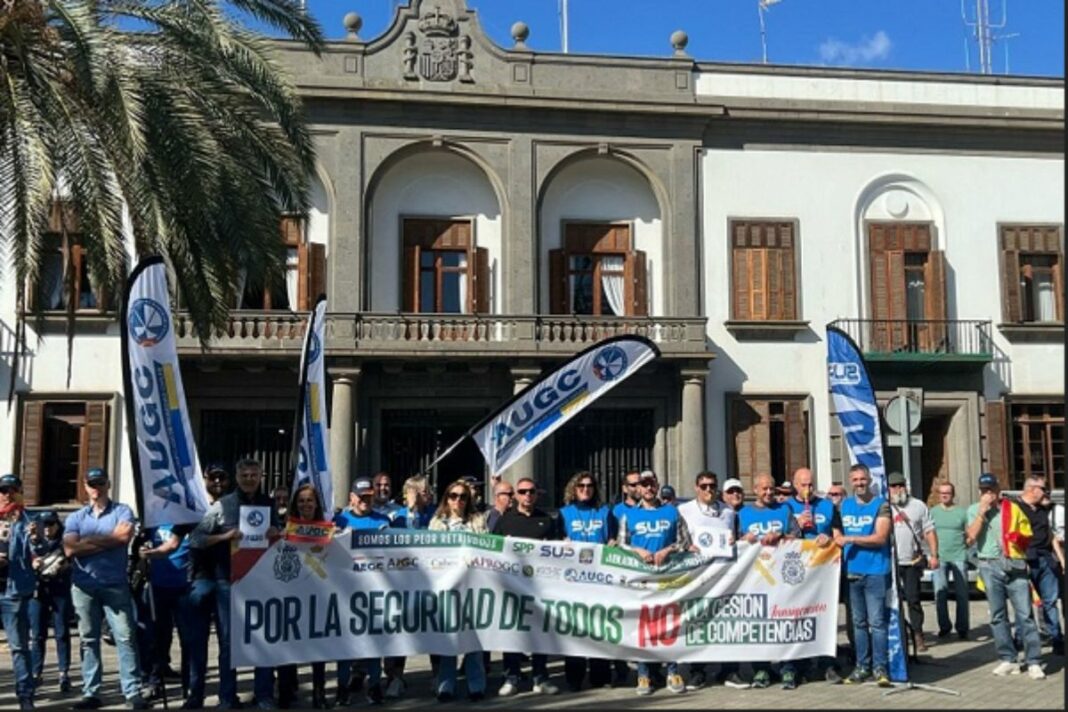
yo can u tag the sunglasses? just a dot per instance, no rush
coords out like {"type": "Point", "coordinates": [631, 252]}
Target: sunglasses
{"type": "Point", "coordinates": [735, 490]}
{"type": "Point", "coordinates": [836, 494]}
{"type": "Point", "coordinates": [525, 491]}
{"type": "Point", "coordinates": [7, 490]}
{"type": "Point", "coordinates": [457, 495]}
{"type": "Point", "coordinates": [366, 496]}
{"type": "Point", "coordinates": [506, 494]}
{"type": "Point", "coordinates": [650, 483]}
{"type": "Point", "coordinates": [706, 486]}
{"type": "Point", "coordinates": [584, 485]}
{"type": "Point", "coordinates": [630, 484]}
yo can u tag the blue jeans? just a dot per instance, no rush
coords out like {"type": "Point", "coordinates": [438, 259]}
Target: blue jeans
{"type": "Point", "coordinates": [473, 668]}
{"type": "Point", "coordinates": [867, 596]}
{"type": "Point", "coordinates": [1045, 575]}
{"type": "Point", "coordinates": [116, 603]}
{"type": "Point", "coordinates": [15, 611]}
{"type": "Point", "coordinates": [958, 570]}
{"type": "Point", "coordinates": [643, 669]}
{"type": "Point", "coordinates": [50, 608]}
{"type": "Point", "coordinates": [1001, 587]}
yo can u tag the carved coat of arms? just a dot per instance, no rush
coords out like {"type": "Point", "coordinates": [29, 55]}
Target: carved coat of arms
{"type": "Point", "coordinates": [442, 54]}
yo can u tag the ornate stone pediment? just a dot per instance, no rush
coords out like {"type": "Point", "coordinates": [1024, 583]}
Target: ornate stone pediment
{"type": "Point", "coordinates": [437, 52]}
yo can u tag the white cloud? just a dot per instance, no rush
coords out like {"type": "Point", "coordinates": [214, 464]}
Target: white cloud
{"type": "Point", "coordinates": [869, 49]}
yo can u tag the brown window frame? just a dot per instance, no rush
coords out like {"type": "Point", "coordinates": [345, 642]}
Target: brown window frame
{"type": "Point", "coordinates": [598, 240]}
{"type": "Point", "coordinates": [1027, 418]}
{"type": "Point", "coordinates": [439, 235]}
{"type": "Point", "coordinates": [62, 219]}
{"type": "Point", "coordinates": [1018, 245]}
{"type": "Point", "coordinates": [764, 274]}
{"type": "Point", "coordinates": [893, 249]}
{"type": "Point", "coordinates": [768, 417]}
{"type": "Point", "coordinates": [93, 446]}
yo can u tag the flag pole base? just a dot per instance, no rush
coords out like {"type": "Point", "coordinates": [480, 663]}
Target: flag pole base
{"type": "Point", "coordinates": [905, 686]}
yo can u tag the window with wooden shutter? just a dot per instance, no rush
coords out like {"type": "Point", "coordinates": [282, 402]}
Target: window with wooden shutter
{"type": "Point", "coordinates": [64, 276]}
{"type": "Point", "coordinates": [597, 272]}
{"type": "Point", "coordinates": [441, 267]}
{"type": "Point", "coordinates": [997, 451]}
{"type": "Point", "coordinates": [768, 436]}
{"type": "Point", "coordinates": [1032, 274]}
{"type": "Point", "coordinates": [908, 289]}
{"type": "Point", "coordinates": [1037, 443]}
{"type": "Point", "coordinates": [59, 441]}
{"type": "Point", "coordinates": [292, 290]}
{"type": "Point", "coordinates": [763, 278]}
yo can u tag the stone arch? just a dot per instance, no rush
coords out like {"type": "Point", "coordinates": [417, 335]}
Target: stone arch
{"type": "Point", "coordinates": [421, 179]}
{"type": "Point", "coordinates": [617, 186]}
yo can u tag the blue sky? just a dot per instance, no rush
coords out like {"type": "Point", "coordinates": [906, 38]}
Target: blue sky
{"type": "Point", "coordinates": [881, 34]}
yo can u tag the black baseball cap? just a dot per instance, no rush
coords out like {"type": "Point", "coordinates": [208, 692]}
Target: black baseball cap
{"type": "Point", "coordinates": [96, 476]}
{"type": "Point", "coordinates": [49, 516]}
{"type": "Point", "coordinates": [988, 480]}
{"type": "Point", "coordinates": [10, 481]}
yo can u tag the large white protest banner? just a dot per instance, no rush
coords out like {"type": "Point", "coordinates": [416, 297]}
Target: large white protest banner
{"type": "Point", "coordinates": [370, 594]}
{"type": "Point", "coordinates": [170, 489]}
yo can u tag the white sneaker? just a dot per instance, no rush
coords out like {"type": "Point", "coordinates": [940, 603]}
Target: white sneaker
{"type": "Point", "coordinates": [395, 688]}
{"type": "Point", "coordinates": [1007, 668]}
{"type": "Point", "coordinates": [508, 689]}
{"type": "Point", "coordinates": [1035, 672]}
{"type": "Point", "coordinates": [545, 688]}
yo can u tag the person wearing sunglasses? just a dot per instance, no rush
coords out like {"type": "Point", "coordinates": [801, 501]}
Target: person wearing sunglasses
{"type": "Point", "coordinates": [503, 499]}
{"type": "Point", "coordinates": [654, 531]}
{"type": "Point", "coordinates": [16, 556]}
{"type": "Point", "coordinates": [361, 515]}
{"type": "Point", "coordinates": [586, 519]}
{"type": "Point", "coordinates": [1042, 563]}
{"type": "Point", "coordinates": [456, 513]}
{"type": "Point", "coordinates": [705, 513]}
{"type": "Point", "coordinates": [628, 499]}
{"type": "Point", "coordinates": [528, 521]}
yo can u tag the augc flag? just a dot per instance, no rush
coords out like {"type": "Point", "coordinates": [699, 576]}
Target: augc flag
{"type": "Point", "coordinates": [312, 462]}
{"type": "Point", "coordinates": [532, 415]}
{"type": "Point", "coordinates": [170, 489]}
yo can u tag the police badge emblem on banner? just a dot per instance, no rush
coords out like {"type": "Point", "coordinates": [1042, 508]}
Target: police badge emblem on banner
{"type": "Point", "coordinates": [539, 410]}
{"type": "Point", "coordinates": [170, 488]}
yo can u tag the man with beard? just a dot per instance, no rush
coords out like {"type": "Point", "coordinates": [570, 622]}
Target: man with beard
{"type": "Point", "coordinates": [916, 545]}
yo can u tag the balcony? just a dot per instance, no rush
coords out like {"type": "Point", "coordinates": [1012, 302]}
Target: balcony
{"type": "Point", "coordinates": [392, 335]}
{"type": "Point", "coordinates": [925, 341]}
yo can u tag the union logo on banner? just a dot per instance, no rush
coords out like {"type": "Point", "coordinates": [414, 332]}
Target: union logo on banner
{"type": "Point", "coordinates": [148, 322]}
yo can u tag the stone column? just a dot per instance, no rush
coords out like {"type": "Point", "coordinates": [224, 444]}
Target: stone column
{"type": "Point", "coordinates": [522, 377]}
{"type": "Point", "coordinates": [693, 421]}
{"type": "Point", "coordinates": [343, 433]}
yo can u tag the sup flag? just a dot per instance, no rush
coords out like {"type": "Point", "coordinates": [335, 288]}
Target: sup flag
{"type": "Point", "coordinates": [858, 414]}
{"type": "Point", "coordinates": [170, 489]}
{"type": "Point", "coordinates": [539, 410]}
{"type": "Point", "coordinates": [312, 463]}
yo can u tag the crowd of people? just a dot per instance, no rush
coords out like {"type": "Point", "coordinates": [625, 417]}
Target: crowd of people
{"type": "Point", "coordinates": [98, 566]}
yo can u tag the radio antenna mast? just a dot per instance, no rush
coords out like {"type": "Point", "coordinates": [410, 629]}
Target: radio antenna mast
{"type": "Point", "coordinates": [983, 31]}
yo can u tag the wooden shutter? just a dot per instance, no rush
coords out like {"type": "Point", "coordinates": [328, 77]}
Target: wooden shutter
{"type": "Point", "coordinates": [773, 264]}
{"type": "Point", "coordinates": [740, 281]}
{"type": "Point", "coordinates": [997, 447]}
{"type": "Point", "coordinates": [751, 435]}
{"type": "Point", "coordinates": [640, 305]}
{"type": "Point", "coordinates": [1011, 299]}
{"type": "Point", "coordinates": [316, 272]}
{"type": "Point", "coordinates": [796, 437]}
{"type": "Point", "coordinates": [304, 298]}
{"type": "Point", "coordinates": [410, 279]}
{"type": "Point", "coordinates": [291, 230]}
{"type": "Point", "coordinates": [558, 301]}
{"type": "Point", "coordinates": [95, 436]}
{"type": "Point", "coordinates": [30, 450]}
{"type": "Point", "coordinates": [880, 300]}
{"type": "Point", "coordinates": [481, 277]}
{"type": "Point", "coordinates": [789, 279]}
{"type": "Point", "coordinates": [934, 282]}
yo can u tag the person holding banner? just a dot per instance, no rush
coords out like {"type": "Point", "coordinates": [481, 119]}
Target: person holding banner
{"type": "Point", "coordinates": [818, 520]}
{"type": "Point", "coordinates": [96, 539]}
{"type": "Point", "coordinates": [768, 522]}
{"type": "Point", "coordinates": [706, 513]}
{"type": "Point", "coordinates": [213, 538]}
{"type": "Point", "coordinates": [52, 603]}
{"type": "Point", "coordinates": [527, 520]}
{"type": "Point", "coordinates": [865, 540]}
{"type": "Point", "coordinates": [734, 497]}
{"type": "Point", "coordinates": [360, 515]}
{"type": "Point", "coordinates": [654, 531]}
{"type": "Point", "coordinates": [456, 513]}
{"type": "Point", "coordinates": [383, 500]}
{"type": "Point", "coordinates": [585, 519]}
{"type": "Point", "coordinates": [306, 507]}
{"type": "Point", "coordinates": [16, 555]}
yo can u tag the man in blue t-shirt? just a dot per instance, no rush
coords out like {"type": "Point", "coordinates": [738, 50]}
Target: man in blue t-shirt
{"type": "Point", "coordinates": [654, 531]}
{"type": "Point", "coordinates": [166, 548]}
{"type": "Point", "coordinates": [768, 522]}
{"type": "Point", "coordinates": [817, 519]}
{"type": "Point", "coordinates": [865, 539]}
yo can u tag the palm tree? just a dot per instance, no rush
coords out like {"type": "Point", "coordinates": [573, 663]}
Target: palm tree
{"type": "Point", "coordinates": [159, 126]}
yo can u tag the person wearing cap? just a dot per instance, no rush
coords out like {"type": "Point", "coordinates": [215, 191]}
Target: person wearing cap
{"type": "Point", "coordinates": [768, 522]}
{"type": "Point", "coordinates": [705, 513]}
{"type": "Point", "coordinates": [865, 540]}
{"type": "Point", "coordinates": [529, 521]}
{"type": "Point", "coordinates": [1001, 532]}
{"type": "Point", "coordinates": [213, 537]}
{"type": "Point", "coordinates": [51, 603]}
{"type": "Point", "coordinates": [654, 531]}
{"type": "Point", "coordinates": [16, 566]}
{"type": "Point", "coordinates": [916, 546]}
{"type": "Point", "coordinates": [1042, 563]}
{"type": "Point", "coordinates": [360, 516]}
{"type": "Point", "coordinates": [818, 520]}
{"type": "Point", "coordinates": [585, 518]}
{"type": "Point", "coordinates": [733, 495]}
{"type": "Point", "coordinates": [951, 524]}
{"type": "Point", "coordinates": [96, 539]}
{"type": "Point", "coordinates": [785, 492]}
{"type": "Point", "coordinates": [216, 482]}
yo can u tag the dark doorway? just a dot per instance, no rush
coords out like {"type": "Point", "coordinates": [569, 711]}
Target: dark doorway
{"type": "Point", "coordinates": [934, 460]}
{"type": "Point", "coordinates": [607, 443]}
{"type": "Point", "coordinates": [62, 453]}
{"type": "Point", "coordinates": [227, 436]}
{"type": "Point", "coordinates": [412, 439]}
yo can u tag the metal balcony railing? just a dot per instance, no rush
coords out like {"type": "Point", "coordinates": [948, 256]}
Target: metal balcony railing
{"type": "Point", "coordinates": [921, 339]}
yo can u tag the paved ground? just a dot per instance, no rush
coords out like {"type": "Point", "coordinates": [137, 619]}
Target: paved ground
{"type": "Point", "coordinates": [963, 666]}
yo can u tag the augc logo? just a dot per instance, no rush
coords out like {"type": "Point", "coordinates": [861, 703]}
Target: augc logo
{"type": "Point", "coordinates": [610, 364]}
{"type": "Point", "coordinates": [843, 374]}
{"type": "Point", "coordinates": [148, 323]}
{"type": "Point", "coordinates": [314, 348]}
